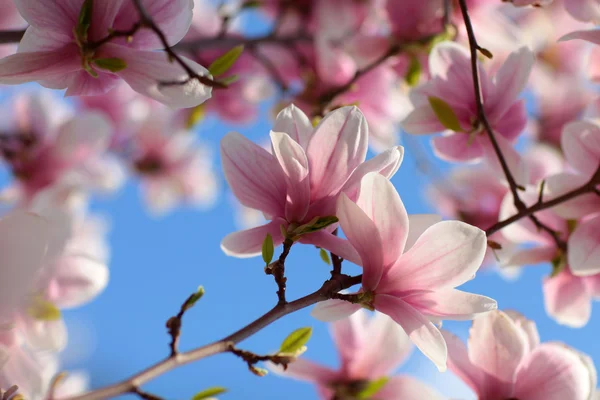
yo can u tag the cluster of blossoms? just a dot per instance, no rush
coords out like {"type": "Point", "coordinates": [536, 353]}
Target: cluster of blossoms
{"type": "Point", "coordinates": [133, 71]}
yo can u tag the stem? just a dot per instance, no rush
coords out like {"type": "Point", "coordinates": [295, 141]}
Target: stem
{"type": "Point", "coordinates": [15, 36]}
{"type": "Point", "coordinates": [132, 384]}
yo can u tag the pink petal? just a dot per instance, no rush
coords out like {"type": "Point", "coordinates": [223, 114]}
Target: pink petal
{"type": "Point", "coordinates": [44, 335]}
{"type": "Point", "coordinates": [584, 248]}
{"type": "Point", "coordinates": [78, 280]}
{"type": "Point", "coordinates": [584, 10]}
{"type": "Point", "coordinates": [446, 255]}
{"type": "Point", "coordinates": [536, 255]}
{"type": "Point", "coordinates": [460, 365]}
{"type": "Point", "coordinates": [338, 246]}
{"type": "Point", "coordinates": [83, 137]}
{"type": "Point", "coordinates": [337, 147]}
{"type": "Point", "coordinates": [49, 16]}
{"type": "Point", "coordinates": [457, 147]}
{"type": "Point", "coordinates": [349, 335]}
{"type": "Point", "coordinates": [294, 122]}
{"type": "Point", "coordinates": [553, 372]}
{"type": "Point", "coordinates": [516, 164]}
{"type": "Point", "coordinates": [147, 69]}
{"type": "Point", "coordinates": [420, 330]}
{"type": "Point", "coordinates": [83, 84]}
{"type": "Point", "coordinates": [446, 56]}
{"type": "Point", "coordinates": [45, 66]}
{"type": "Point", "coordinates": [294, 165]}
{"type": "Point", "coordinates": [580, 142]}
{"type": "Point", "coordinates": [497, 346]}
{"type": "Point", "coordinates": [590, 36]}
{"type": "Point", "coordinates": [381, 203]}
{"type": "Point", "coordinates": [334, 310]}
{"type": "Point", "coordinates": [248, 243]}
{"type": "Point", "coordinates": [384, 347]}
{"type": "Point", "coordinates": [364, 236]}
{"type": "Point", "coordinates": [451, 304]}
{"type": "Point", "coordinates": [306, 370]}
{"type": "Point", "coordinates": [386, 163]}
{"type": "Point", "coordinates": [567, 300]}
{"type": "Point", "coordinates": [406, 388]}
{"type": "Point", "coordinates": [422, 120]}
{"type": "Point", "coordinates": [417, 224]}
{"type": "Point", "coordinates": [577, 207]}
{"type": "Point", "coordinates": [512, 78]}
{"type": "Point", "coordinates": [527, 327]}
{"type": "Point", "coordinates": [253, 174]}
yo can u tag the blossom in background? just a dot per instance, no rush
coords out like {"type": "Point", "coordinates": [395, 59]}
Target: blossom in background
{"type": "Point", "coordinates": [451, 82]}
{"type": "Point", "coordinates": [370, 349]}
{"type": "Point", "coordinates": [411, 266]}
{"type": "Point", "coordinates": [303, 178]}
{"type": "Point", "coordinates": [65, 48]}
{"type": "Point", "coordinates": [505, 360]}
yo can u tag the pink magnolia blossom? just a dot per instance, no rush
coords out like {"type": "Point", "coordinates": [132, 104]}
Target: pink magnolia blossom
{"type": "Point", "coordinates": [425, 18]}
{"type": "Point", "coordinates": [369, 349]}
{"type": "Point", "coordinates": [303, 178]}
{"type": "Point", "coordinates": [505, 360]}
{"type": "Point", "coordinates": [411, 266]}
{"type": "Point", "coordinates": [60, 53]}
{"type": "Point", "coordinates": [43, 146]}
{"type": "Point", "coordinates": [451, 81]}
{"type": "Point", "coordinates": [172, 167]}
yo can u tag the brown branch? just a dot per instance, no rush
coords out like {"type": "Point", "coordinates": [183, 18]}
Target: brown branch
{"type": "Point", "coordinates": [277, 269]}
{"type": "Point", "coordinates": [7, 37]}
{"type": "Point", "coordinates": [270, 67]}
{"type": "Point", "coordinates": [145, 395]}
{"type": "Point", "coordinates": [251, 359]}
{"type": "Point", "coordinates": [328, 289]}
{"type": "Point", "coordinates": [474, 47]}
{"type": "Point", "coordinates": [174, 323]}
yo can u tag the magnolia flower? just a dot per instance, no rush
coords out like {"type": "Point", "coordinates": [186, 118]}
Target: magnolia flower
{"type": "Point", "coordinates": [505, 360]}
{"type": "Point", "coordinates": [172, 167]}
{"type": "Point", "coordinates": [303, 178]}
{"type": "Point", "coordinates": [451, 82]}
{"type": "Point", "coordinates": [68, 46]}
{"type": "Point", "coordinates": [43, 146]}
{"type": "Point", "coordinates": [411, 266]}
{"type": "Point", "coordinates": [370, 349]}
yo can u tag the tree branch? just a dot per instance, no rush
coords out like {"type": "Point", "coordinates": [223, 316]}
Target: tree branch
{"type": "Point", "coordinates": [277, 269]}
{"type": "Point", "coordinates": [329, 288]}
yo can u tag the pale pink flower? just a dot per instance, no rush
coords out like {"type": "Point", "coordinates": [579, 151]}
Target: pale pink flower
{"type": "Point", "coordinates": [369, 349]}
{"type": "Point", "coordinates": [411, 266]}
{"type": "Point", "coordinates": [451, 81]}
{"type": "Point", "coordinates": [303, 178]}
{"type": "Point", "coordinates": [172, 166]}
{"type": "Point", "coordinates": [56, 53]}
{"type": "Point", "coordinates": [505, 360]}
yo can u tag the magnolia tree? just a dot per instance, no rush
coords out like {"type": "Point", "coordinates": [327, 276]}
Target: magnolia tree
{"type": "Point", "coordinates": [346, 76]}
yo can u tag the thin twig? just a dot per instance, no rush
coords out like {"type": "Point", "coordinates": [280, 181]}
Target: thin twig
{"type": "Point", "coordinates": [15, 36]}
{"type": "Point", "coordinates": [277, 269]}
{"type": "Point", "coordinates": [145, 395]}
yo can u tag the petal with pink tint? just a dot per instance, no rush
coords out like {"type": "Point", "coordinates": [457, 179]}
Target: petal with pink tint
{"type": "Point", "coordinates": [253, 174]}
{"type": "Point", "coordinates": [380, 201]}
{"type": "Point", "coordinates": [448, 56]}
{"type": "Point", "coordinates": [338, 246]}
{"type": "Point", "coordinates": [527, 326]}
{"type": "Point", "coordinates": [512, 78]}
{"type": "Point", "coordinates": [457, 147]}
{"type": "Point", "coordinates": [44, 335]}
{"type": "Point", "coordinates": [333, 310]}
{"type": "Point", "coordinates": [460, 364]}
{"type": "Point", "coordinates": [553, 372]}
{"type": "Point", "coordinates": [590, 36]}
{"type": "Point", "coordinates": [497, 346]}
{"type": "Point", "coordinates": [151, 74]}
{"type": "Point", "coordinates": [406, 388]}
{"type": "Point", "coordinates": [40, 66]}
{"type": "Point", "coordinates": [295, 123]}
{"type": "Point", "coordinates": [529, 256]}
{"type": "Point", "coordinates": [580, 142]}
{"type": "Point", "coordinates": [294, 165]}
{"type": "Point", "coordinates": [248, 243]}
{"type": "Point", "coordinates": [422, 120]}
{"type": "Point", "coordinates": [515, 163]}
{"type": "Point", "coordinates": [83, 137]}
{"type": "Point", "coordinates": [451, 304]}
{"type": "Point", "coordinates": [577, 207]}
{"type": "Point", "coordinates": [78, 280]}
{"type": "Point", "coordinates": [337, 147]}
{"type": "Point", "coordinates": [584, 248]}
{"type": "Point", "coordinates": [386, 163]}
{"type": "Point", "coordinates": [349, 334]}
{"type": "Point", "coordinates": [83, 84]}
{"type": "Point", "coordinates": [364, 236]}
{"type": "Point", "coordinates": [305, 370]}
{"type": "Point", "coordinates": [49, 16]}
{"type": "Point", "coordinates": [420, 330]}
{"type": "Point", "coordinates": [567, 300]}
{"type": "Point", "coordinates": [446, 255]}
{"type": "Point", "coordinates": [417, 224]}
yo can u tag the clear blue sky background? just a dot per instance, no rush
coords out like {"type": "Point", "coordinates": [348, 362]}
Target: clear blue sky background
{"type": "Point", "coordinates": [157, 263]}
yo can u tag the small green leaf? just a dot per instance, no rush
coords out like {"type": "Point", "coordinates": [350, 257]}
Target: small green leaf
{"type": "Point", "coordinates": [252, 4]}
{"type": "Point", "coordinates": [43, 310]}
{"type": "Point", "coordinates": [112, 64]}
{"type": "Point", "coordinates": [191, 301]}
{"type": "Point", "coordinates": [324, 256]}
{"type": "Point", "coordinates": [268, 249]}
{"type": "Point", "coordinates": [228, 80]}
{"type": "Point", "coordinates": [486, 52]}
{"type": "Point", "coordinates": [413, 74]}
{"type": "Point", "coordinates": [196, 115]}
{"type": "Point", "coordinates": [296, 340]}
{"type": "Point", "coordinates": [445, 114]}
{"type": "Point", "coordinates": [316, 224]}
{"type": "Point", "coordinates": [372, 388]}
{"type": "Point", "coordinates": [85, 20]}
{"type": "Point", "coordinates": [558, 264]}
{"type": "Point", "coordinates": [571, 224]}
{"type": "Point", "coordinates": [224, 63]}
{"type": "Point", "coordinates": [209, 393]}
{"type": "Point", "coordinates": [258, 371]}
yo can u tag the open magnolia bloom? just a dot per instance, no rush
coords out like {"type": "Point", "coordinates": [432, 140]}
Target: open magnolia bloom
{"type": "Point", "coordinates": [505, 360]}
{"type": "Point", "coordinates": [370, 349]}
{"type": "Point", "coordinates": [302, 179]}
{"type": "Point", "coordinates": [411, 266]}
{"type": "Point", "coordinates": [68, 46]}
